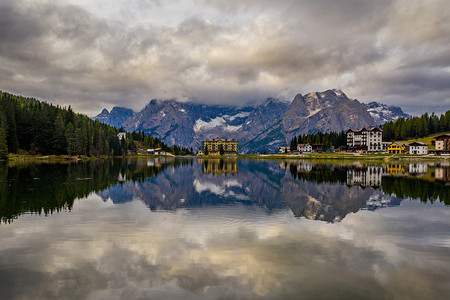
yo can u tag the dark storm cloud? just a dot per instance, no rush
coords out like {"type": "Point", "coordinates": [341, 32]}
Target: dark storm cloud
{"type": "Point", "coordinates": [95, 54]}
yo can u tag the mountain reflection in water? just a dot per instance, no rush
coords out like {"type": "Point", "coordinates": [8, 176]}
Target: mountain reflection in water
{"type": "Point", "coordinates": [317, 191]}
{"type": "Point", "coordinates": [223, 229]}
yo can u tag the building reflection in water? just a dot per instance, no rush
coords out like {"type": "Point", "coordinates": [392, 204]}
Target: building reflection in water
{"type": "Point", "coordinates": [396, 169]}
{"type": "Point", "coordinates": [418, 169]}
{"type": "Point", "coordinates": [220, 166]}
{"type": "Point", "coordinates": [365, 176]}
{"type": "Point", "coordinates": [300, 166]}
{"type": "Point", "coordinates": [442, 174]}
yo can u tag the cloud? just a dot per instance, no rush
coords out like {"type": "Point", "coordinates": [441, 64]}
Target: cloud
{"type": "Point", "coordinates": [100, 54]}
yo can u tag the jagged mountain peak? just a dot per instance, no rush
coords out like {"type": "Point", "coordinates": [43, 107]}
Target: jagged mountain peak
{"type": "Point", "coordinates": [115, 117]}
{"type": "Point", "coordinates": [262, 127]}
{"type": "Point", "coordinates": [332, 93]}
{"type": "Point", "coordinates": [382, 113]}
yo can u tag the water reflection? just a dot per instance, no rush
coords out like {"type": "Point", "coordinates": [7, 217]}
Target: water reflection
{"type": "Point", "coordinates": [220, 166]}
{"type": "Point", "coordinates": [325, 192]}
{"type": "Point", "coordinates": [168, 229]}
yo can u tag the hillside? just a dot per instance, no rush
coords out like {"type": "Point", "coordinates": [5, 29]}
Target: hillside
{"type": "Point", "coordinates": [426, 139]}
{"type": "Point", "coordinates": [30, 126]}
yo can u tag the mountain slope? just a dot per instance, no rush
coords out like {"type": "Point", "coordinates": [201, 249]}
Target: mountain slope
{"type": "Point", "coordinates": [258, 128]}
{"type": "Point", "coordinates": [327, 111]}
{"type": "Point", "coordinates": [116, 117]}
{"type": "Point", "coordinates": [382, 113]}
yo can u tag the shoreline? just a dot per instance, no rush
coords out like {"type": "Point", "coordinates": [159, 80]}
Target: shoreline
{"type": "Point", "coordinates": [352, 157]}
{"type": "Point", "coordinates": [69, 158]}
{"type": "Point", "coordinates": [316, 156]}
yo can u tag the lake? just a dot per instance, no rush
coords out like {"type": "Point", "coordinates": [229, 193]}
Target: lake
{"type": "Point", "coordinates": [224, 229]}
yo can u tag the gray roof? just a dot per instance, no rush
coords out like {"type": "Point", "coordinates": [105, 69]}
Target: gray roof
{"type": "Point", "coordinates": [418, 144]}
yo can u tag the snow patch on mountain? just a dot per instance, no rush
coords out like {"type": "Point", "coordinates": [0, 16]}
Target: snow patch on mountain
{"type": "Point", "coordinates": [239, 115]}
{"type": "Point", "coordinates": [231, 128]}
{"type": "Point", "coordinates": [201, 125]}
{"type": "Point", "coordinates": [382, 113]}
{"type": "Point", "coordinates": [338, 92]}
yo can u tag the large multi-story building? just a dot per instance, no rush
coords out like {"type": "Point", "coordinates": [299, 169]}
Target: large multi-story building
{"type": "Point", "coordinates": [230, 147]}
{"type": "Point", "coordinates": [418, 148]}
{"type": "Point", "coordinates": [370, 140]}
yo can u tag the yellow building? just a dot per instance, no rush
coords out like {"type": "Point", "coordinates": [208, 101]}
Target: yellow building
{"type": "Point", "coordinates": [230, 147]}
{"type": "Point", "coordinates": [398, 148]}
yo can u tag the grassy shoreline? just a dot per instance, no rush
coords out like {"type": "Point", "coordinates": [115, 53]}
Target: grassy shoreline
{"type": "Point", "coordinates": [316, 156]}
{"type": "Point", "coordinates": [350, 157]}
{"type": "Point", "coordinates": [69, 158]}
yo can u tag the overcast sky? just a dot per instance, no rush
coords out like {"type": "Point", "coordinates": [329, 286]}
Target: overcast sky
{"type": "Point", "coordinates": [95, 54]}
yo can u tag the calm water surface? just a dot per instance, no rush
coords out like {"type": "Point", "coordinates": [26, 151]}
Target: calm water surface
{"type": "Point", "coordinates": [224, 229]}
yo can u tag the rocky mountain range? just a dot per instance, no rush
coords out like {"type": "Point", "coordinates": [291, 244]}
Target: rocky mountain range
{"type": "Point", "coordinates": [116, 117]}
{"type": "Point", "coordinates": [258, 128]}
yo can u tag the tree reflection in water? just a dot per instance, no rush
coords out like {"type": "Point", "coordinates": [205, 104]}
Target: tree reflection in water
{"type": "Point", "coordinates": [325, 192]}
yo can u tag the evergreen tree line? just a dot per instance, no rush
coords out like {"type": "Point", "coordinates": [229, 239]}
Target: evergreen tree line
{"type": "Point", "coordinates": [147, 141]}
{"type": "Point", "coordinates": [329, 139]}
{"type": "Point", "coordinates": [416, 127]}
{"type": "Point", "coordinates": [48, 188]}
{"type": "Point", "coordinates": [30, 126]}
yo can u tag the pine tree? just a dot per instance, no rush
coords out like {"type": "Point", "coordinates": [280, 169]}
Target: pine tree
{"type": "Point", "coordinates": [11, 134]}
{"type": "Point", "coordinates": [71, 140]}
{"type": "Point", "coordinates": [3, 143]}
{"type": "Point", "coordinates": [59, 141]}
{"type": "Point", "coordinates": [294, 144]}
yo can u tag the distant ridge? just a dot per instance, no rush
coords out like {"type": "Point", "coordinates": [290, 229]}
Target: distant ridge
{"type": "Point", "coordinates": [116, 117]}
{"type": "Point", "coordinates": [258, 128]}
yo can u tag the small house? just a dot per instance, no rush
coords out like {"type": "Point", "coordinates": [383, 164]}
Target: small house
{"type": "Point", "coordinates": [398, 148]}
{"type": "Point", "coordinates": [282, 150]}
{"type": "Point", "coordinates": [418, 148]}
{"type": "Point", "coordinates": [304, 148]}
